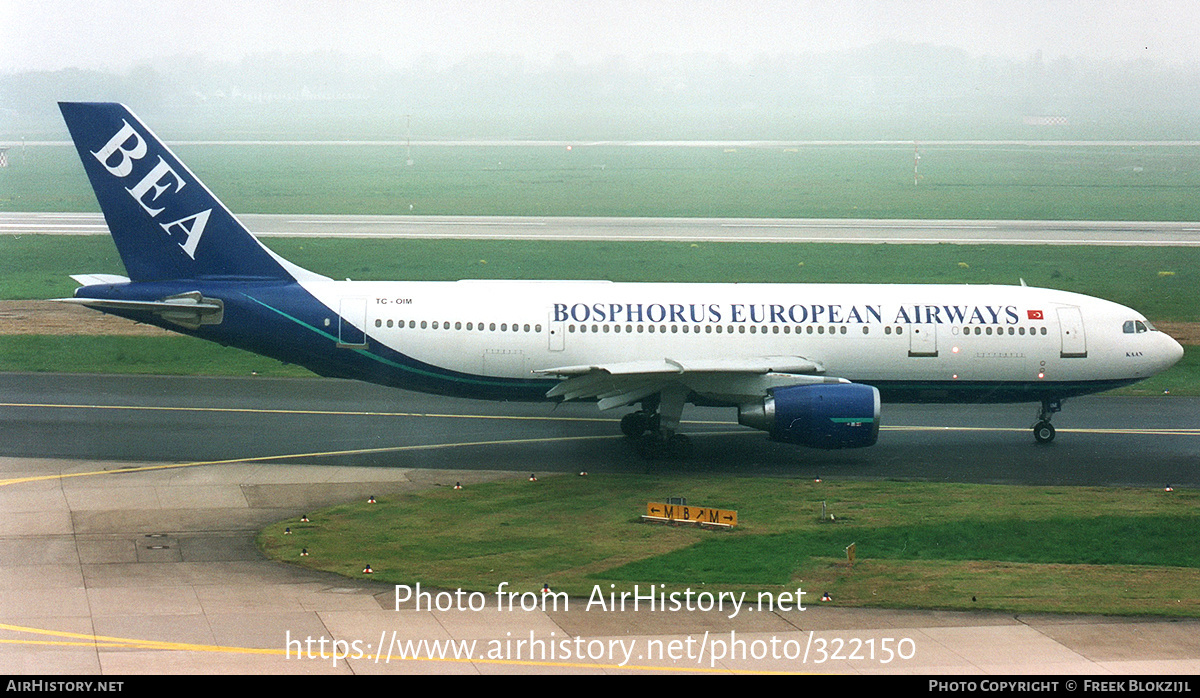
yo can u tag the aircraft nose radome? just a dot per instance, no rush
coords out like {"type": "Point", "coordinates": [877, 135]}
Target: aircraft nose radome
{"type": "Point", "coordinates": [1172, 351]}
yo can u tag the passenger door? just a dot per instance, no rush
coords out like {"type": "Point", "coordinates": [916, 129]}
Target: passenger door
{"type": "Point", "coordinates": [1070, 327]}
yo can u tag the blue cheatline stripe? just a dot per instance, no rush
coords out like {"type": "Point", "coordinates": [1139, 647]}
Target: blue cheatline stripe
{"type": "Point", "coordinates": [447, 376]}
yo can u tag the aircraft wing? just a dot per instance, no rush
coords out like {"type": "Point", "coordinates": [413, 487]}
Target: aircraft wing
{"type": "Point", "coordinates": [733, 380]}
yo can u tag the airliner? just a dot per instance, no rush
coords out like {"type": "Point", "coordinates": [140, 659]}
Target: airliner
{"type": "Point", "coordinates": [809, 364]}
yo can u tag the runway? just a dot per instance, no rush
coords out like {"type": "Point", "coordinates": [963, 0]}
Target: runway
{"type": "Point", "coordinates": [861, 231]}
{"type": "Point", "coordinates": [131, 506]}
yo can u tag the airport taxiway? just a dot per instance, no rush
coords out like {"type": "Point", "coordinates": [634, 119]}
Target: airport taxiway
{"type": "Point", "coordinates": [1103, 441]}
{"type": "Point", "coordinates": [117, 563]}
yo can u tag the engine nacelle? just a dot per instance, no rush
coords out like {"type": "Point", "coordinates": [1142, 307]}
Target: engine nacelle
{"type": "Point", "coordinates": [842, 415]}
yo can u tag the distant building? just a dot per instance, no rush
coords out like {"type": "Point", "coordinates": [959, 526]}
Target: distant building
{"type": "Point", "coordinates": [3, 157]}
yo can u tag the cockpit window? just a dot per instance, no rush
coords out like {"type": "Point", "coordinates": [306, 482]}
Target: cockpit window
{"type": "Point", "coordinates": [1127, 328]}
{"type": "Point", "coordinates": [1136, 326]}
{"type": "Point", "coordinates": [1150, 327]}
{"type": "Point", "coordinates": [1141, 326]}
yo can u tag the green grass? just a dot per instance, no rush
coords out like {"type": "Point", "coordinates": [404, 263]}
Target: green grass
{"type": "Point", "coordinates": [40, 266]}
{"type": "Point", "coordinates": [1158, 540]}
{"type": "Point", "coordinates": [137, 355]}
{"type": "Point", "coordinates": [974, 182]}
{"type": "Point", "coordinates": [930, 545]}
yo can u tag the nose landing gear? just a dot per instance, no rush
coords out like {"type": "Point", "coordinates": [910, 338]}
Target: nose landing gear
{"type": "Point", "coordinates": [1043, 430]}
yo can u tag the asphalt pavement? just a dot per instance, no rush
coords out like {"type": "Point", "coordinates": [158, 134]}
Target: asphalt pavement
{"type": "Point", "coordinates": [131, 505]}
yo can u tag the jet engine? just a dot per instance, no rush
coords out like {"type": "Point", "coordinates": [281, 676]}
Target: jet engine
{"type": "Point", "coordinates": [842, 415]}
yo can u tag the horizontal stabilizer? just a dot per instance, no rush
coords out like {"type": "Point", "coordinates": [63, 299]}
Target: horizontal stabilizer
{"type": "Point", "coordinates": [190, 310]}
{"type": "Point", "coordinates": [99, 279]}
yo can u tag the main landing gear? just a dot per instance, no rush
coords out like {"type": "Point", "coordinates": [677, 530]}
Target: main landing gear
{"type": "Point", "coordinates": [1043, 431]}
{"type": "Point", "coordinates": [654, 428]}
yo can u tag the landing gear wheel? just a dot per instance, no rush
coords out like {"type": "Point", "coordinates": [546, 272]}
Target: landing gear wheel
{"type": "Point", "coordinates": [656, 429]}
{"type": "Point", "coordinates": [1043, 432]}
{"type": "Point", "coordinates": [657, 446]}
{"type": "Point", "coordinates": [634, 424]}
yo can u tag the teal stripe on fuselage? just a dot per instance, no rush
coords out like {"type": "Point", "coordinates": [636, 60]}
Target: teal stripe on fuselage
{"type": "Point", "coordinates": [523, 386]}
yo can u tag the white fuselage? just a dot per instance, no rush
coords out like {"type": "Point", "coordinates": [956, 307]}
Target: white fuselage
{"type": "Point", "coordinates": [903, 334]}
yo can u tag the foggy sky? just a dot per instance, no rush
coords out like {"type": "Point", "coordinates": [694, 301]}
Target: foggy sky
{"type": "Point", "coordinates": [118, 34]}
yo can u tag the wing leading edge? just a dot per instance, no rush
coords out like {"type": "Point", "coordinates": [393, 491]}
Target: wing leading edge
{"type": "Point", "coordinates": [729, 381]}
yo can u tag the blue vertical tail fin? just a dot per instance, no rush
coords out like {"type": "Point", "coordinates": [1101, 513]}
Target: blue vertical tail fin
{"type": "Point", "coordinates": [166, 224]}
